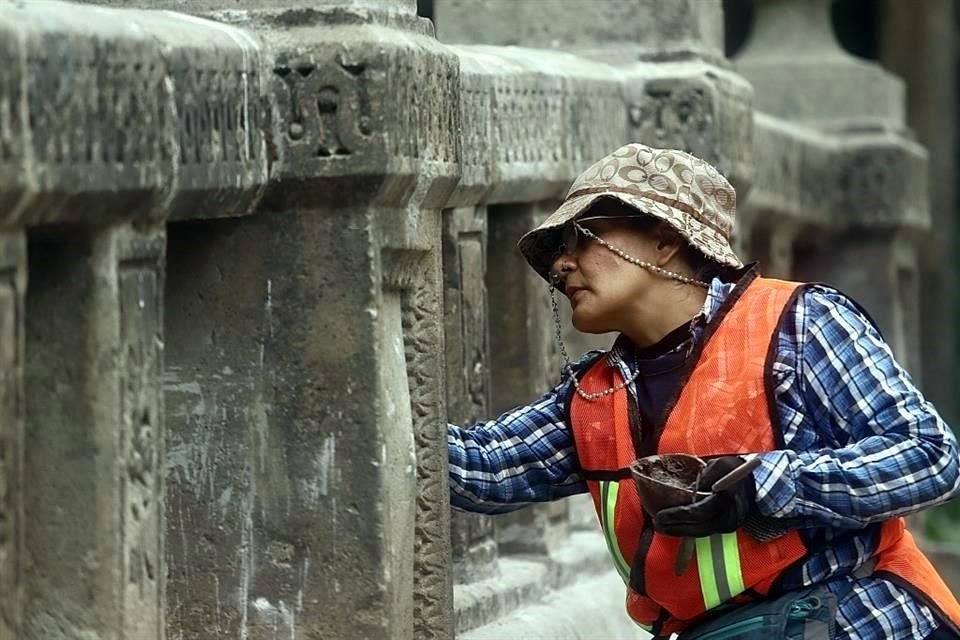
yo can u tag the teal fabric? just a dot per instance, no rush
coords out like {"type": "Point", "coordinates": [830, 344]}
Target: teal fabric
{"type": "Point", "coordinates": [799, 615]}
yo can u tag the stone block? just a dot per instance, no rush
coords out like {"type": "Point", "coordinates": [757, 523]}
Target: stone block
{"type": "Point", "coordinates": [615, 31]}
{"type": "Point", "coordinates": [793, 170]}
{"type": "Point", "coordinates": [94, 452]}
{"type": "Point", "coordinates": [879, 179]}
{"type": "Point", "coordinates": [524, 356]}
{"type": "Point", "coordinates": [12, 286]}
{"type": "Point", "coordinates": [363, 111]}
{"type": "Point", "coordinates": [305, 395]}
{"type": "Point", "coordinates": [878, 268]}
{"type": "Point", "coordinates": [529, 122]}
{"type": "Point", "coordinates": [697, 106]}
{"type": "Point", "coordinates": [97, 109]}
{"type": "Point", "coordinates": [234, 7]}
{"type": "Point", "coordinates": [800, 73]}
{"type": "Point", "coordinates": [218, 76]}
{"type": "Point", "coordinates": [16, 167]}
{"type": "Point", "coordinates": [113, 114]}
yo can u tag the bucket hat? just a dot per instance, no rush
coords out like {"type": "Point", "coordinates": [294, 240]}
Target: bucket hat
{"type": "Point", "coordinates": [682, 190]}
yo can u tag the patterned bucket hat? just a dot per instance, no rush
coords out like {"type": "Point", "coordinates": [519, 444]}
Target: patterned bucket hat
{"type": "Point", "coordinates": [684, 191]}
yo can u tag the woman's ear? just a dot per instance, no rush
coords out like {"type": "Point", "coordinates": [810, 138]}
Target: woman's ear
{"type": "Point", "coordinates": [669, 243]}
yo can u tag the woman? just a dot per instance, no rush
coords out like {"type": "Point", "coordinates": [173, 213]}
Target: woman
{"type": "Point", "coordinates": [788, 385]}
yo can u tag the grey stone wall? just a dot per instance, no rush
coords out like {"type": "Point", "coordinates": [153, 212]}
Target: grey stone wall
{"type": "Point", "coordinates": [253, 256]}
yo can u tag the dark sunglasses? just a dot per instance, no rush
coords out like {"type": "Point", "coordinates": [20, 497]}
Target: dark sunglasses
{"type": "Point", "coordinates": [572, 239]}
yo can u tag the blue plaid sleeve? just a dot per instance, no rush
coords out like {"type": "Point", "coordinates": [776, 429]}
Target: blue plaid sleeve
{"type": "Point", "coordinates": [524, 456]}
{"type": "Point", "coordinates": [862, 444]}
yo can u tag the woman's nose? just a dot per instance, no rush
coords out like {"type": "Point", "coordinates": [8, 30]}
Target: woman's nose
{"type": "Point", "coordinates": [563, 264]}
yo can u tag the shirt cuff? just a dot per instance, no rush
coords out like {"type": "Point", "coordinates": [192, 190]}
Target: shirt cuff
{"type": "Point", "coordinates": [776, 487]}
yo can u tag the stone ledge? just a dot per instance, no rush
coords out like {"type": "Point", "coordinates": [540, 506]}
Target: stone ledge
{"type": "Point", "coordinates": [590, 609]}
{"type": "Point", "coordinates": [120, 113]}
{"type": "Point", "coordinates": [874, 177]}
{"type": "Point", "coordinates": [522, 581]}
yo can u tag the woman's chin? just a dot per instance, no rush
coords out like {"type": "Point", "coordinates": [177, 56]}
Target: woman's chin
{"type": "Point", "coordinates": [584, 322]}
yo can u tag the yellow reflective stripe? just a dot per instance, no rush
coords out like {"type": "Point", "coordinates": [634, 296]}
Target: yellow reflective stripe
{"type": "Point", "coordinates": [731, 561]}
{"type": "Point", "coordinates": [718, 564]}
{"type": "Point", "coordinates": [708, 581]}
{"type": "Point", "coordinates": [608, 498]}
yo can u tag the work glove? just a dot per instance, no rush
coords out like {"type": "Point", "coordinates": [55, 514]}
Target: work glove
{"type": "Point", "coordinates": [722, 512]}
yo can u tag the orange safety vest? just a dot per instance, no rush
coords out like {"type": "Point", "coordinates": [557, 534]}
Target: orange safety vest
{"type": "Point", "coordinates": [726, 406]}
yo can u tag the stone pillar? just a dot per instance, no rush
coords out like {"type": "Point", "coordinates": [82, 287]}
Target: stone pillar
{"type": "Point", "coordinates": [292, 451]}
{"type": "Point", "coordinates": [468, 368]}
{"type": "Point", "coordinates": [311, 347]}
{"type": "Point", "coordinates": [12, 286]}
{"type": "Point", "coordinates": [921, 47]}
{"type": "Point", "coordinates": [525, 359]}
{"type": "Point", "coordinates": [837, 141]}
{"type": "Point", "coordinates": [93, 486]}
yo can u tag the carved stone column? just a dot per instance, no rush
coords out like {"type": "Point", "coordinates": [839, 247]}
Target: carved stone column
{"type": "Point", "coordinates": [12, 286]}
{"type": "Point", "coordinates": [311, 348]}
{"type": "Point", "coordinates": [468, 368]}
{"type": "Point", "coordinates": [93, 481]}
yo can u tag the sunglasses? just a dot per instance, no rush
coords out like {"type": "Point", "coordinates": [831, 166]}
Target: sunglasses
{"type": "Point", "coordinates": [576, 234]}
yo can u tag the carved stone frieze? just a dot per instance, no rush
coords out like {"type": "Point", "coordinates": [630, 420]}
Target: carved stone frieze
{"type": "Point", "coordinates": [372, 113]}
{"type": "Point", "coordinates": [702, 109]}
{"type": "Point", "coordinates": [424, 348]}
{"type": "Point", "coordinates": [222, 109]}
{"type": "Point", "coordinates": [127, 114]}
{"type": "Point", "coordinates": [880, 180]}
{"type": "Point", "coordinates": [529, 122]}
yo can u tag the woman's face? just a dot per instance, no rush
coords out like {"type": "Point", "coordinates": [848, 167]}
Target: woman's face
{"type": "Point", "coordinates": [601, 286]}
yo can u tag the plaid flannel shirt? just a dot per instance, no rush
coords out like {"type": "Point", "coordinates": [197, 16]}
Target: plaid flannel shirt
{"type": "Point", "coordinates": [862, 446]}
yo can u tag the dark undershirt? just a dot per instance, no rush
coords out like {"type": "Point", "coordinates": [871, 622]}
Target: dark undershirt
{"type": "Point", "coordinates": [661, 367]}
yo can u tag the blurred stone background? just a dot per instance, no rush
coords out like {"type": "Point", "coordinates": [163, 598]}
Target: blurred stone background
{"type": "Point", "coordinates": [254, 254]}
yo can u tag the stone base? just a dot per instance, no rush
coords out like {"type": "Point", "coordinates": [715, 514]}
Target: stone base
{"type": "Point", "coordinates": [569, 595]}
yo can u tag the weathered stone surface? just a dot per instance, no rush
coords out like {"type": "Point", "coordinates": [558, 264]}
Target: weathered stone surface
{"type": "Point", "coordinates": [97, 112]}
{"type": "Point", "coordinates": [468, 371]}
{"type": "Point", "coordinates": [615, 31]}
{"type": "Point", "coordinates": [93, 486]}
{"type": "Point", "coordinates": [291, 503]}
{"type": "Point", "coordinates": [364, 110]}
{"type": "Point", "coordinates": [574, 596]}
{"type": "Point", "coordinates": [306, 431]}
{"type": "Point", "coordinates": [133, 113]}
{"type": "Point", "coordinates": [222, 114]}
{"type": "Point", "coordinates": [528, 119]}
{"type": "Point", "coordinates": [696, 106]}
{"type": "Point", "coordinates": [13, 274]}
{"type": "Point", "coordinates": [16, 165]}
{"type": "Point", "coordinates": [211, 6]}
{"type": "Point", "coordinates": [799, 72]}
{"type": "Point", "coordinates": [879, 269]}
